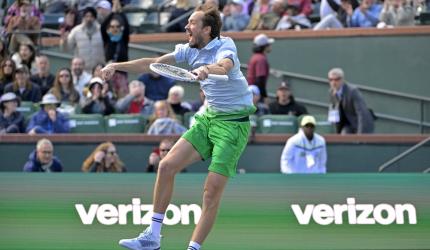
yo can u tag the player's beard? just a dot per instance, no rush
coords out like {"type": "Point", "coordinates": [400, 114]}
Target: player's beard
{"type": "Point", "coordinates": [198, 41]}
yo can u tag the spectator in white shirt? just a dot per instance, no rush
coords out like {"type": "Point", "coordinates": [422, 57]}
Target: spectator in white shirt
{"type": "Point", "coordinates": [305, 152]}
{"type": "Point", "coordinates": [81, 78]}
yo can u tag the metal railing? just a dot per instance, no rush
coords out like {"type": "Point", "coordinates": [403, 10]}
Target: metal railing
{"type": "Point", "coordinates": [397, 158]}
{"type": "Point", "coordinates": [280, 74]}
{"type": "Point", "coordinates": [177, 20]}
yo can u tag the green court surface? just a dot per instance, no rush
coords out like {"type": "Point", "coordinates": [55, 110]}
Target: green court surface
{"type": "Point", "coordinates": [37, 211]}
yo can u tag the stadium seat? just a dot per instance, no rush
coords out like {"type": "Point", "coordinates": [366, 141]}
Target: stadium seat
{"type": "Point", "coordinates": [271, 124]}
{"type": "Point", "coordinates": [125, 123]}
{"type": "Point", "coordinates": [86, 123]}
{"type": "Point", "coordinates": [28, 108]}
{"type": "Point", "coordinates": [253, 119]}
{"type": "Point", "coordinates": [323, 125]}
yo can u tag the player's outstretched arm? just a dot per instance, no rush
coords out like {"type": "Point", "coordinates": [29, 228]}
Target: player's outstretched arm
{"type": "Point", "coordinates": [135, 66]}
{"type": "Point", "coordinates": [220, 68]}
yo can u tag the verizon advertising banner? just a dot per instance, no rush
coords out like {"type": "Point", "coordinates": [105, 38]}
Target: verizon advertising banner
{"type": "Point", "coordinates": [258, 211]}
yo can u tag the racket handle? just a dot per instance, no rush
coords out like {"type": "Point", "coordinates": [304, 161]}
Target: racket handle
{"type": "Point", "coordinates": [218, 77]}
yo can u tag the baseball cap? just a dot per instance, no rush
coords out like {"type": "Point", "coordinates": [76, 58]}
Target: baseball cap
{"type": "Point", "coordinates": [104, 5]}
{"type": "Point", "coordinates": [262, 40]}
{"type": "Point", "coordinates": [308, 119]}
{"type": "Point", "coordinates": [254, 89]}
{"type": "Point", "coordinates": [283, 85]}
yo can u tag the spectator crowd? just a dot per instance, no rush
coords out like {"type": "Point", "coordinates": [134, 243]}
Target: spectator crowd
{"type": "Point", "coordinates": [97, 33]}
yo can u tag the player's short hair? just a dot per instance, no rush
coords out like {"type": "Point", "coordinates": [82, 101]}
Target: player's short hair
{"type": "Point", "coordinates": [211, 18]}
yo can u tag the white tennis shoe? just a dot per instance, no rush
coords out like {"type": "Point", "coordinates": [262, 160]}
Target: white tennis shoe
{"type": "Point", "coordinates": [145, 241]}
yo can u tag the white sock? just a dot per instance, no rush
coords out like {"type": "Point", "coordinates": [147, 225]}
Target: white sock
{"type": "Point", "coordinates": [156, 223]}
{"type": "Point", "coordinates": [193, 246]}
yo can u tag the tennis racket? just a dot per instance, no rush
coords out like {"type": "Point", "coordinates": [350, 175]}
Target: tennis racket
{"type": "Point", "coordinates": [181, 74]}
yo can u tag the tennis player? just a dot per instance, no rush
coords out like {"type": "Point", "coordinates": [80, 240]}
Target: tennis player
{"type": "Point", "coordinates": [221, 132]}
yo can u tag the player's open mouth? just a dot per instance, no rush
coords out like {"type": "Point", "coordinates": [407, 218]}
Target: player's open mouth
{"type": "Point", "coordinates": [189, 34]}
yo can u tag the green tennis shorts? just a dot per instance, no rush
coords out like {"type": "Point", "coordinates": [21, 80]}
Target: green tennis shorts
{"type": "Point", "coordinates": [220, 136]}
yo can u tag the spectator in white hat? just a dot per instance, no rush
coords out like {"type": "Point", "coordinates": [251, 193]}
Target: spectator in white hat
{"type": "Point", "coordinates": [258, 65]}
{"type": "Point", "coordinates": [98, 100]}
{"type": "Point", "coordinates": [305, 152]}
{"type": "Point", "coordinates": [11, 120]}
{"type": "Point", "coordinates": [48, 120]}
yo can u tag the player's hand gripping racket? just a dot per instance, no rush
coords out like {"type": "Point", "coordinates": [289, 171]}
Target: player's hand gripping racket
{"type": "Point", "coordinates": [181, 74]}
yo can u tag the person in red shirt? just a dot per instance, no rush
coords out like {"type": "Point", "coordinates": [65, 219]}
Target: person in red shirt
{"type": "Point", "coordinates": [258, 65]}
{"type": "Point", "coordinates": [135, 102]}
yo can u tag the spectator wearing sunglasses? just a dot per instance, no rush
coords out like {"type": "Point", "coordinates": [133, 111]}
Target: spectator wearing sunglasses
{"type": "Point", "coordinates": [348, 110]}
{"type": "Point", "coordinates": [115, 31]}
{"type": "Point", "coordinates": [104, 159]}
{"type": "Point", "coordinates": [158, 154]}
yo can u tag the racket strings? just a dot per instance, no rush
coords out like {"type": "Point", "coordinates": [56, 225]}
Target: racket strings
{"type": "Point", "coordinates": [174, 71]}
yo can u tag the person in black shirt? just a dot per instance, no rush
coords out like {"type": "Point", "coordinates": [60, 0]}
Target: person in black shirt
{"type": "Point", "coordinates": [285, 103]}
{"type": "Point", "coordinates": [11, 120]}
{"type": "Point", "coordinates": [43, 78]}
{"type": "Point", "coordinates": [176, 94]}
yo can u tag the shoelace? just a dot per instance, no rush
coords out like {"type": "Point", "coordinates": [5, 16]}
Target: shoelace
{"type": "Point", "coordinates": [145, 236]}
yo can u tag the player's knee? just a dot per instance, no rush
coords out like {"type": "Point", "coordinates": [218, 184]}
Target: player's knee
{"type": "Point", "coordinates": [166, 168]}
{"type": "Point", "coordinates": [211, 198]}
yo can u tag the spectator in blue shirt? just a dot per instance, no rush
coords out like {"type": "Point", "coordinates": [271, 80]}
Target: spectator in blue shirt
{"type": "Point", "coordinates": [366, 15]}
{"type": "Point", "coordinates": [48, 120]}
{"type": "Point", "coordinates": [156, 87]}
{"type": "Point", "coordinates": [234, 17]}
{"type": "Point", "coordinates": [42, 159]}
